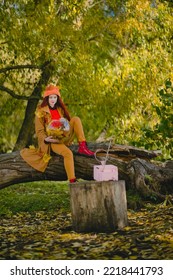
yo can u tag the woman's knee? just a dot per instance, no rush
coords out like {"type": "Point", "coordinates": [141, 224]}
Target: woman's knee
{"type": "Point", "coordinates": [67, 153]}
{"type": "Point", "coordinates": [62, 150]}
{"type": "Point", "coordinates": [75, 119]}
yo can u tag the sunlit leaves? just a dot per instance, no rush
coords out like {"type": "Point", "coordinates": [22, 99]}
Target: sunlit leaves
{"type": "Point", "coordinates": [160, 136]}
{"type": "Point", "coordinates": [109, 58]}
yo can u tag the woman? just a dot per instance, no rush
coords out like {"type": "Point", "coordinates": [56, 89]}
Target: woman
{"type": "Point", "coordinates": [52, 108]}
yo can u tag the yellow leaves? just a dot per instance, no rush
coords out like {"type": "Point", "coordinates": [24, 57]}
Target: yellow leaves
{"type": "Point", "coordinates": [139, 6]}
{"type": "Point", "coordinates": [142, 5]}
{"type": "Point", "coordinates": [46, 158]}
{"type": "Point", "coordinates": [168, 237]}
{"type": "Point", "coordinates": [39, 113]}
{"type": "Point", "coordinates": [67, 236]}
{"type": "Point", "coordinates": [49, 235]}
{"type": "Point", "coordinates": [55, 132]}
{"type": "Point", "coordinates": [117, 257]}
{"type": "Point", "coordinates": [133, 24]}
{"type": "Point", "coordinates": [32, 147]}
{"type": "Point", "coordinates": [52, 6]}
{"type": "Point", "coordinates": [133, 257]}
{"type": "Point", "coordinates": [171, 76]}
{"type": "Point", "coordinates": [127, 228]}
{"type": "Point", "coordinates": [106, 81]}
{"type": "Point", "coordinates": [124, 52]}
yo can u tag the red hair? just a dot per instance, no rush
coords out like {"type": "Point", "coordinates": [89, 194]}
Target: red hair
{"type": "Point", "coordinates": [59, 103]}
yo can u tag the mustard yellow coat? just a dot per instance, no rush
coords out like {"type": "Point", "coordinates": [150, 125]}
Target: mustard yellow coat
{"type": "Point", "coordinates": [39, 157]}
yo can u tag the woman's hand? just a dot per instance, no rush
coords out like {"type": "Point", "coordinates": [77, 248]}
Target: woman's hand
{"type": "Point", "coordinates": [50, 139]}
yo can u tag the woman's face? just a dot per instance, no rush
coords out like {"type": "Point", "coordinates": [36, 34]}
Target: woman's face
{"type": "Point", "coordinates": [52, 100]}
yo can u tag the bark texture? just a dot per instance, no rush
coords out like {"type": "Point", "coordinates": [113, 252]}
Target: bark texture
{"type": "Point", "coordinates": [98, 206]}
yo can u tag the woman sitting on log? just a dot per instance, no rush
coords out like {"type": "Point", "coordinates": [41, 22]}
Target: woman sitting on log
{"type": "Point", "coordinates": [55, 131]}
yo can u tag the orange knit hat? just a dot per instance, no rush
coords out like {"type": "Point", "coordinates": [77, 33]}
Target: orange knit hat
{"type": "Point", "coordinates": [51, 89]}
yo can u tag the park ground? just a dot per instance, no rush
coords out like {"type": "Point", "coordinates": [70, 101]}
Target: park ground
{"type": "Point", "coordinates": [36, 224]}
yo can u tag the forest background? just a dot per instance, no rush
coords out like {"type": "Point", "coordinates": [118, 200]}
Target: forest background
{"type": "Point", "coordinates": [113, 62]}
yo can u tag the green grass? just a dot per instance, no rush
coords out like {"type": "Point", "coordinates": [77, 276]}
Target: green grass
{"type": "Point", "coordinates": [44, 196]}
{"type": "Point", "coordinates": [34, 196]}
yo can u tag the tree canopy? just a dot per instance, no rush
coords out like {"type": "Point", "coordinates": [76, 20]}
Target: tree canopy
{"type": "Point", "coordinates": [110, 59]}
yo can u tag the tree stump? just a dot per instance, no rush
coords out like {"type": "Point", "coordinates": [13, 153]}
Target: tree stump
{"type": "Point", "coordinates": [98, 206]}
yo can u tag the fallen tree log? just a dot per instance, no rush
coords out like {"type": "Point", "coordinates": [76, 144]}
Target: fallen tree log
{"type": "Point", "coordinates": [135, 166]}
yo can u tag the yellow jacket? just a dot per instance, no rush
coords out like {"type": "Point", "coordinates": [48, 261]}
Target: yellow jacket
{"type": "Point", "coordinates": [39, 157]}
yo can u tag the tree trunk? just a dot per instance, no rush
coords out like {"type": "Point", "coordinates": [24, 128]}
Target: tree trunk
{"type": "Point", "coordinates": [27, 128]}
{"type": "Point", "coordinates": [98, 206]}
{"type": "Point", "coordinates": [134, 167]}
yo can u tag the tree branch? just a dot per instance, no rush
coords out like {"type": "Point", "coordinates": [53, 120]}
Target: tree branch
{"type": "Point", "coordinates": [14, 95]}
{"type": "Point", "coordinates": [11, 92]}
{"type": "Point", "coordinates": [17, 67]}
